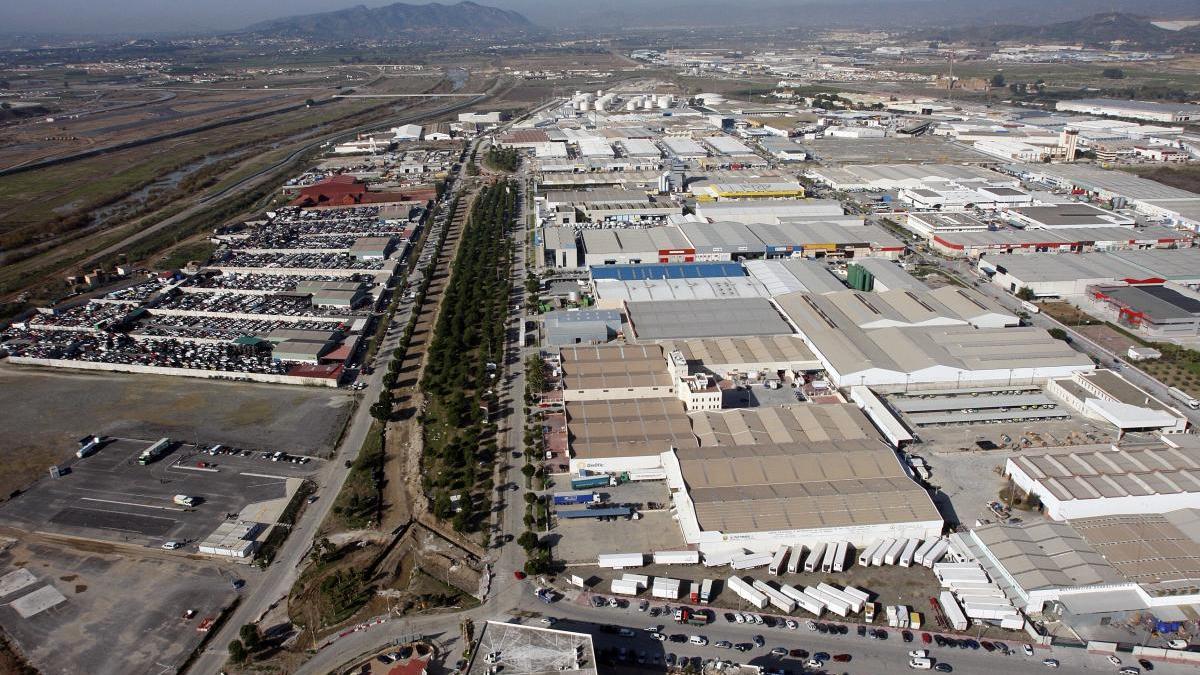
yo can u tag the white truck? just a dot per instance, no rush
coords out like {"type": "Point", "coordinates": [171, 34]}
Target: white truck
{"type": "Point", "coordinates": [1184, 398]}
{"type": "Point", "coordinates": [184, 500]}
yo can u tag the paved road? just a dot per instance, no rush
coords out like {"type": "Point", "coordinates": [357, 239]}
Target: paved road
{"type": "Point", "coordinates": [266, 588]}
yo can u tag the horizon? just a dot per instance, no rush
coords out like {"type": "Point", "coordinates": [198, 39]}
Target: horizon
{"type": "Point", "coordinates": [82, 18]}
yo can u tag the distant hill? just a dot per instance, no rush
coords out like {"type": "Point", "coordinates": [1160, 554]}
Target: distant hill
{"type": "Point", "coordinates": [1097, 29]}
{"type": "Point", "coordinates": [398, 19]}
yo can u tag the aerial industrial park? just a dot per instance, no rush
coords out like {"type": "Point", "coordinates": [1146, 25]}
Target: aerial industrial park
{"type": "Point", "coordinates": [428, 339]}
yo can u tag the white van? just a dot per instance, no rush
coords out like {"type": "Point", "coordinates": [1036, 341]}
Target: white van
{"type": "Point", "coordinates": [698, 640]}
{"type": "Point", "coordinates": [920, 663]}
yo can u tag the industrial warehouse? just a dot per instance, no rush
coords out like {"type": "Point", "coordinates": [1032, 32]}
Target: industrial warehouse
{"type": "Point", "coordinates": [744, 383]}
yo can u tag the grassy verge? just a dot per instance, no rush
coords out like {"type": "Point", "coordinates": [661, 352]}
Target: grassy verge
{"type": "Point", "coordinates": [357, 505]}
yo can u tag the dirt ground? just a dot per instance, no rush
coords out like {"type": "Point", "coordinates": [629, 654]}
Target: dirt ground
{"type": "Point", "coordinates": [47, 410]}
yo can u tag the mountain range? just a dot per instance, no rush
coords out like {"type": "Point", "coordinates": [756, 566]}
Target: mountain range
{"type": "Point", "coordinates": [1098, 29]}
{"type": "Point", "coordinates": [398, 19]}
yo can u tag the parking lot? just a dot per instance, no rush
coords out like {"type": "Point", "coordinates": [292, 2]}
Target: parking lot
{"type": "Point", "coordinates": [108, 496]}
{"type": "Point", "coordinates": [120, 616]}
{"type": "Point", "coordinates": [583, 540]}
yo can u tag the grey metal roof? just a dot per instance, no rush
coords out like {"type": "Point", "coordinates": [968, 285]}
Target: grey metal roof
{"type": "Point", "coordinates": [794, 274]}
{"type": "Point", "coordinates": [721, 237]}
{"type": "Point", "coordinates": [706, 318]}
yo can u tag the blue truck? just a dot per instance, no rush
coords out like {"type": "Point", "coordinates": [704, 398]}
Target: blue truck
{"type": "Point", "coordinates": [575, 497]}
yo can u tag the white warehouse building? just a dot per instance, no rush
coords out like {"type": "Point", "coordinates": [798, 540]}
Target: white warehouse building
{"type": "Point", "coordinates": [1090, 481]}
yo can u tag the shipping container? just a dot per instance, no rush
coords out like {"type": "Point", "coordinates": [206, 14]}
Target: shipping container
{"type": "Point", "coordinates": [795, 557]}
{"type": "Point", "coordinates": [665, 587]}
{"type": "Point", "coordinates": [827, 559]}
{"type": "Point", "coordinates": [692, 592]}
{"type": "Point", "coordinates": [954, 613]}
{"type": "Point", "coordinates": [890, 613]}
{"type": "Point", "coordinates": [919, 556]}
{"type": "Point", "coordinates": [750, 561]}
{"type": "Point", "coordinates": [624, 587]}
{"type": "Point", "coordinates": [778, 561]}
{"type": "Point", "coordinates": [893, 553]}
{"type": "Point", "coordinates": [576, 497]}
{"type": "Point", "coordinates": [640, 579]}
{"type": "Point", "coordinates": [884, 547]}
{"type": "Point", "coordinates": [781, 602]}
{"type": "Point", "coordinates": [840, 556]}
{"type": "Point", "coordinates": [813, 562]}
{"type": "Point", "coordinates": [858, 595]}
{"type": "Point", "coordinates": [902, 615]}
{"type": "Point", "coordinates": [910, 549]}
{"type": "Point", "coordinates": [676, 557]}
{"type": "Point", "coordinates": [586, 482]}
{"type": "Point", "coordinates": [804, 601]}
{"type": "Point", "coordinates": [869, 612]}
{"type": "Point", "coordinates": [914, 620]}
{"type": "Point", "coordinates": [617, 561]}
{"type": "Point", "coordinates": [746, 592]}
{"type": "Point", "coordinates": [835, 605]}
{"type": "Point", "coordinates": [936, 553]}
{"type": "Point", "coordinates": [853, 602]}
{"type": "Point", "coordinates": [865, 556]}
{"type": "Point", "coordinates": [706, 591]}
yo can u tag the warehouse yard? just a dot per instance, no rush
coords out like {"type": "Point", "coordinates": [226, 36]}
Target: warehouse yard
{"type": "Point", "coordinates": [48, 411]}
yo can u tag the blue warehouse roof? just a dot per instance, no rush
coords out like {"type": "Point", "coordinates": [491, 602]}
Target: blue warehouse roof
{"type": "Point", "coordinates": [668, 271]}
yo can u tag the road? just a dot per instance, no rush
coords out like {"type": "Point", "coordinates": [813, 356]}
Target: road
{"type": "Point", "coordinates": [267, 588]}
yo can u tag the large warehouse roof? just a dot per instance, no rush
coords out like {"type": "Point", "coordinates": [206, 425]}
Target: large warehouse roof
{"type": "Point", "coordinates": [706, 318]}
{"type": "Point", "coordinates": [667, 271]}
{"type": "Point", "coordinates": [790, 275]}
{"type": "Point", "coordinates": [780, 350]}
{"type": "Point", "coordinates": [801, 486]}
{"type": "Point", "coordinates": [768, 210]}
{"type": "Point", "coordinates": [614, 367]}
{"type": "Point", "coordinates": [723, 237]}
{"type": "Point", "coordinates": [891, 176]}
{"type": "Point", "coordinates": [817, 233]}
{"type": "Point", "coordinates": [631, 428]}
{"type": "Point", "coordinates": [1043, 554]}
{"type": "Point", "coordinates": [801, 423]}
{"type": "Point", "coordinates": [946, 306]}
{"type": "Point", "coordinates": [1101, 180]}
{"type": "Point", "coordinates": [652, 290]}
{"type": "Point", "coordinates": [632, 240]}
{"type": "Point", "coordinates": [1099, 472]}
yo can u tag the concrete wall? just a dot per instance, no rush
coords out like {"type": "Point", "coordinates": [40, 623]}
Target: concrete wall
{"type": "Point", "coordinates": [179, 372]}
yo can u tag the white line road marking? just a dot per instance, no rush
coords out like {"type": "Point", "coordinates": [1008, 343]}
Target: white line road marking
{"type": "Point", "coordinates": [140, 506]}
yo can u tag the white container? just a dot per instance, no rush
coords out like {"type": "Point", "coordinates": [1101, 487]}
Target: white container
{"type": "Point", "coordinates": [884, 547]}
{"type": "Point", "coordinates": [910, 549]}
{"type": "Point", "coordinates": [854, 603]}
{"type": "Point", "coordinates": [778, 561]}
{"type": "Point", "coordinates": [840, 555]}
{"type": "Point", "coordinates": [813, 561]}
{"type": "Point", "coordinates": [865, 556]}
{"type": "Point", "coordinates": [795, 558]}
{"type": "Point", "coordinates": [750, 561]}
{"type": "Point", "coordinates": [954, 613]}
{"type": "Point", "coordinates": [784, 603]}
{"type": "Point", "coordinates": [803, 600]}
{"type": "Point", "coordinates": [618, 561]}
{"type": "Point", "coordinates": [640, 579]}
{"type": "Point", "coordinates": [936, 553]}
{"type": "Point", "coordinates": [676, 557]}
{"type": "Point", "coordinates": [893, 553]}
{"type": "Point", "coordinates": [835, 605]}
{"type": "Point", "coordinates": [919, 556]}
{"type": "Point", "coordinates": [624, 587]}
{"type": "Point", "coordinates": [666, 588]}
{"type": "Point", "coordinates": [746, 592]}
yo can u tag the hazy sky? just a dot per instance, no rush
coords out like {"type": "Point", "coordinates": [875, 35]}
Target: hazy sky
{"type": "Point", "coordinates": [140, 16]}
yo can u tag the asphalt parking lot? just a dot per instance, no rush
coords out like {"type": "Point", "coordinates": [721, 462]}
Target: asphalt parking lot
{"type": "Point", "coordinates": [108, 496]}
{"type": "Point", "coordinates": [584, 540]}
{"type": "Point", "coordinates": [46, 410]}
{"type": "Point", "coordinates": [121, 615]}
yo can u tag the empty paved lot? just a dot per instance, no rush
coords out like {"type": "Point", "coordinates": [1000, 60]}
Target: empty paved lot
{"type": "Point", "coordinates": [46, 410]}
{"type": "Point", "coordinates": [121, 615]}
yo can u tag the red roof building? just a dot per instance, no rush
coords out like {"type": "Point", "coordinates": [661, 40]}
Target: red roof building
{"type": "Point", "coordinates": [349, 191]}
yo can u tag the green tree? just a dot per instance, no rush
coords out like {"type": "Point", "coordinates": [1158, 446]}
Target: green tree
{"type": "Point", "coordinates": [1026, 293]}
{"type": "Point", "coordinates": [237, 651]}
{"type": "Point", "coordinates": [530, 497]}
{"type": "Point", "coordinates": [528, 470]}
{"type": "Point", "coordinates": [382, 409]}
{"type": "Point", "coordinates": [1059, 334]}
{"type": "Point", "coordinates": [251, 639]}
{"type": "Point", "coordinates": [528, 540]}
